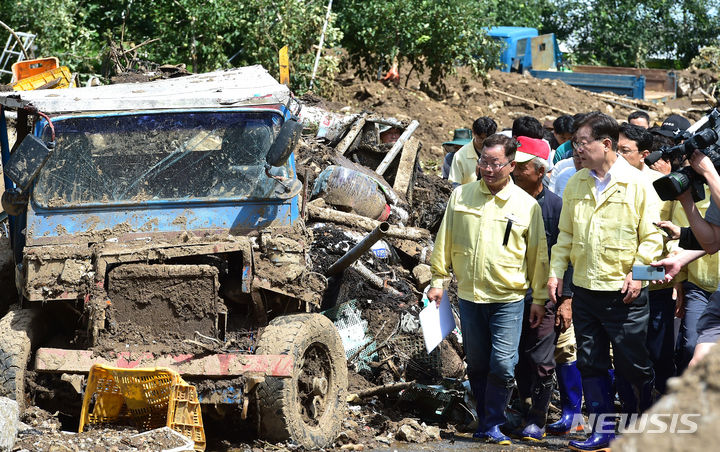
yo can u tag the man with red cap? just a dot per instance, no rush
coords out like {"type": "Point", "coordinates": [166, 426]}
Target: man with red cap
{"type": "Point", "coordinates": [536, 365]}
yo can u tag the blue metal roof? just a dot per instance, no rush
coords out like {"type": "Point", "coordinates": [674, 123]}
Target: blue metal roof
{"type": "Point", "coordinates": [512, 32]}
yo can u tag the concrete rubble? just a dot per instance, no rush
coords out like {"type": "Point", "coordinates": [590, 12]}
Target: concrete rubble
{"type": "Point", "coordinates": [9, 420]}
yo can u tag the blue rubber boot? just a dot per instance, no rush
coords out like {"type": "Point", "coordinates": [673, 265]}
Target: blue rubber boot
{"type": "Point", "coordinates": [478, 386]}
{"type": "Point", "coordinates": [570, 387]}
{"type": "Point", "coordinates": [541, 393]}
{"type": "Point", "coordinates": [598, 401]}
{"type": "Point", "coordinates": [497, 398]}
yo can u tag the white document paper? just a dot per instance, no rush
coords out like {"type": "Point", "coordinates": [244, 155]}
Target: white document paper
{"type": "Point", "coordinates": [436, 323]}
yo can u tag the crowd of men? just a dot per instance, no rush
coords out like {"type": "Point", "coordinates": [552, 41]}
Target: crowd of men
{"type": "Point", "coordinates": [542, 233]}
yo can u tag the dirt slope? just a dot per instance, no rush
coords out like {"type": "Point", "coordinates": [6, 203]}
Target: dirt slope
{"type": "Point", "coordinates": [468, 98]}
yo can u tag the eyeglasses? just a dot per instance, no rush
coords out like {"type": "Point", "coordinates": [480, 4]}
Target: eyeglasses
{"type": "Point", "coordinates": [584, 144]}
{"type": "Point", "coordinates": [624, 151]}
{"type": "Point", "coordinates": [494, 166]}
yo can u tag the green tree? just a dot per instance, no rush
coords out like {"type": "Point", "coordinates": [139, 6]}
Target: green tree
{"type": "Point", "coordinates": [432, 35]}
{"type": "Point", "coordinates": [207, 35]}
{"type": "Point", "coordinates": [627, 32]}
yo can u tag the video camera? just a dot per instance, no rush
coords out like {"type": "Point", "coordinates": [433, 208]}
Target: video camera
{"type": "Point", "coordinates": [703, 136]}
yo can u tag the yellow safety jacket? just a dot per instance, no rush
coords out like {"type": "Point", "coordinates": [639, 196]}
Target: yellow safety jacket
{"type": "Point", "coordinates": [495, 245]}
{"type": "Point", "coordinates": [462, 170]}
{"type": "Point", "coordinates": [605, 234]}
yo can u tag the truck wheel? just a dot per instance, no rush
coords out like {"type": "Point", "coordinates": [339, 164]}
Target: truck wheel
{"type": "Point", "coordinates": [309, 407]}
{"type": "Point", "coordinates": [15, 346]}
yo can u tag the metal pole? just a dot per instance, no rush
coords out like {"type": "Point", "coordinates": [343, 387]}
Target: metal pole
{"type": "Point", "coordinates": [358, 250]}
{"type": "Point", "coordinates": [320, 46]}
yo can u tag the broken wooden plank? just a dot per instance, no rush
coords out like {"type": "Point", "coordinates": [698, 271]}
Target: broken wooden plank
{"type": "Point", "coordinates": [404, 174]}
{"type": "Point", "coordinates": [387, 161]}
{"type": "Point", "coordinates": [532, 102]}
{"type": "Point", "coordinates": [346, 142]}
{"type": "Point", "coordinates": [350, 219]}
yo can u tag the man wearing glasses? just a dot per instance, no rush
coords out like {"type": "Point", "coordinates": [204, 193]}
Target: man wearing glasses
{"type": "Point", "coordinates": [606, 226]}
{"type": "Point", "coordinates": [493, 238]}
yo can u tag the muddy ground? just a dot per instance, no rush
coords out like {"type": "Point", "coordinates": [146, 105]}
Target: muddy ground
{"type": "Point", "coordinates": [406, 420]}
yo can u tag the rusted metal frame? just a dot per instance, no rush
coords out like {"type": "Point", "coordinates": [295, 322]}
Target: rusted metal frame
{"type": "Point", "coordinates": [54, 360]}
{"type": "Point", "coordinates": [128, 238]}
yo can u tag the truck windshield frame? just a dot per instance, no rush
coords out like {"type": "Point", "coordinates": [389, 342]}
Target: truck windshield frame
{"type": "Point", "coordinates": [159, 157]}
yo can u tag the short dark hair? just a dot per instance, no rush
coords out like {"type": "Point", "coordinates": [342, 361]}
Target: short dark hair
{"type": "Point", "coordinates": [660, 141]}
{"type": "Point", "coordinates": [563, 124]}
{"type": "Point", "coordinates": [498, 139]}
{"type": "Point", "coordinates": [639, 135]}
{"type": "Point", "coordinates": [484, 126]}
{"type": "Point", "coordinates": [527, 126]}
{"type": "Point", "coordinates": [639, 114]}
{"type": "Point", "coordinates": [601, 126]}
{"type": "Point", "coordinates": [577, 117]}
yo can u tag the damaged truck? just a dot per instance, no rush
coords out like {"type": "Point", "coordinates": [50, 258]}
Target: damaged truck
{"type": "Point", "coordinates": [158, 224]}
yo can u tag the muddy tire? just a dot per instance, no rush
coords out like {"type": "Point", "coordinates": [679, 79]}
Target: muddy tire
{"type": "Point", "coordinates": [16, 333]}
{"type": "Point", "coordinates": [309, 407]}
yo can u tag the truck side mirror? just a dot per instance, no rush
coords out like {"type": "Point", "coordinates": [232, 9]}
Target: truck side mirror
{"type": "Point", "coordinates": [285, 143]}
{"type": "Point", "coordinates": [27, 160]}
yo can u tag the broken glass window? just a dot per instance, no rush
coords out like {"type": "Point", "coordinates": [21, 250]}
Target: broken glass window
{"type": "Point", "coordinates": [160, 156]}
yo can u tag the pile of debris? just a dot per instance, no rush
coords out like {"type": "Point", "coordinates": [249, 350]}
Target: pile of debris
{"type": "Point", "coordinates": [362, 175]}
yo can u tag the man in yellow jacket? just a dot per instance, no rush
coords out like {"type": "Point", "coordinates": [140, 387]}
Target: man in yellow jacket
{"type": "Point", "coordinates": [462, 169]}
{"type": "Point", "coordinates": [493, 238]}
{"type": "Point", "coordinates": [606, 226]}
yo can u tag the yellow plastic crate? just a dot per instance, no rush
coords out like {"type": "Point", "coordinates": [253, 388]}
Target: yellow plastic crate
{"type": "Point", "coordinates": [54, 78]}
{"type": "Point", "coordinates": [147, 398]}
{"type": "Point", "coordinates": [184, 414]}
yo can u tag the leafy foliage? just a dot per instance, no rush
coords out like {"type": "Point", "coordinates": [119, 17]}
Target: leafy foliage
{"type": "Point", "coordinates": [628, 33]}
{"type": "Point", "coordinates": [206, 35]}
{"type": "Point", "coordinates": [425, 34]}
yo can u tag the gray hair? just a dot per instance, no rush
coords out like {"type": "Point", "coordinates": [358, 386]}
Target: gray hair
{"type": "Point", "coordinates": [541, 163]}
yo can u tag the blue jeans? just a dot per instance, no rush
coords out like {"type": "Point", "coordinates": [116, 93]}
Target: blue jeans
{"type": "Point", "coordinates": [696, 300]}
{"type": "Point", "coordinates": [491, 336]}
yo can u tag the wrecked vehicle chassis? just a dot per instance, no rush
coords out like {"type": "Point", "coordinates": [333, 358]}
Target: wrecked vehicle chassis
{"type": "Point", "coordinates": [153, 230]}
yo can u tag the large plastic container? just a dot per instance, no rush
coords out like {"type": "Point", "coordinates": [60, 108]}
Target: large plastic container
{"type": "Point", "coordinates": [351, 190]}
{"type": "Point", "coordinates": [55, 78]}
{"type": "Point", "coordinates": [28, 68]}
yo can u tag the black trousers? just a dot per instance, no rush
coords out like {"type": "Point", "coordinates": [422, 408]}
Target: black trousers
{"type": "Point", "coordinates": [537, 349]}
{"type": "Point", "coordinates": [601, 318]}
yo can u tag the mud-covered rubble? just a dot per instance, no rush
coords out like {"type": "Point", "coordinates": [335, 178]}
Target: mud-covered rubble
{"type": "Point", "coordinates": [391, 374]}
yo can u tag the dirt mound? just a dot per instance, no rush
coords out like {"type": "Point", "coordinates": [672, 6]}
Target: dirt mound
{"type": "Point", "coordinates": [689, 413]}
{"type": "Point", "coordinates": [503, 97]}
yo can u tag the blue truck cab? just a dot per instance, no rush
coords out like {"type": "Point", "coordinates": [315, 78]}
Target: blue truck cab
{"type": "Point", "coordinates": [168, 211]}
{"type": "Point", "coordinates": [524, 49]}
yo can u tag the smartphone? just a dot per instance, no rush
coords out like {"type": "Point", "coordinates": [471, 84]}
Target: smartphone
{"type": "Point", "coordinates": [647, 273]}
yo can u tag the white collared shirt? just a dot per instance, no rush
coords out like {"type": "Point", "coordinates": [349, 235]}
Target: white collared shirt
{"type": "Point", "coordinates": [602, 183]}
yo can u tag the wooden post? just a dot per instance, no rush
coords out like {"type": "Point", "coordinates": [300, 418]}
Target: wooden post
{"type": "Point", "coordinates": [397, 147]}
{"type": "Point", "coordinates": [346, 142]}
{"type": "Point", "coordinates": [407, 166]}
{"type": "Point", "coordinates": [284, 66]}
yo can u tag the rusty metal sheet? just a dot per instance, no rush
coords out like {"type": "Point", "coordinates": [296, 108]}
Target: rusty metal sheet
{"type": "Point", "coordinates": [58, 360]}
{"type": "Point", "coordinates": [543, 52]}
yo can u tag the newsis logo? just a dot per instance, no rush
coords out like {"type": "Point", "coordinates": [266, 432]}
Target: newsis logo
{"type": "Point", "coordinates": [637, 423]}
